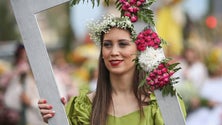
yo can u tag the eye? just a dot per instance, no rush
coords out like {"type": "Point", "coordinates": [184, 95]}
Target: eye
{"type": "Point", "coordinates": [123, 43]}
{"type": "Point", "coordinates": [107, 44]}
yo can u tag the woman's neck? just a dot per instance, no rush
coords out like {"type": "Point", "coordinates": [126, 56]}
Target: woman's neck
{"type": "Point", "coordinates": [121, 83]}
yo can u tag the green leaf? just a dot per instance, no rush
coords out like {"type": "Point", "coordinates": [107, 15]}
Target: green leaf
{"type": "Point", "coordinates": [107, 2]}
{"type": "Point", "coordinates": [118, 5]}
{"type": "Point", "coordinates": [146, 15]}
{"type": "Point", "coordinates": [75, 2]}
{"type": "Point", "coordinates": [168, 89]}
{"type": "Point", "coordinates": [93, 3]}
{"type": "Point", "coordinates": [150, 2]}
{"type": "Point", "coordinates": [175, 70]}
{"type": "Point", "coordinates": [163, 42]}
{"type": "Point", "coordinates": [172, 66]}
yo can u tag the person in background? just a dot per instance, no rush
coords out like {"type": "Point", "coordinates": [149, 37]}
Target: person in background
{"type": "Point", "coordinates": [210, 103]}
{"type": "Point", "coordinates": [21, 93]}
{"type": "Point", "coordinates": [193, 75]}
{"type": "Point", "coordinates": [194, 67]}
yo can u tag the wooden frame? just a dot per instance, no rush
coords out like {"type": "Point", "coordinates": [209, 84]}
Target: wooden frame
{"type": "Point", "coordinates": [25, 11]}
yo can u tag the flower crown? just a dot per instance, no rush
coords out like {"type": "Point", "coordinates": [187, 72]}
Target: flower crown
{"type": "Point", "coordinates": [109, 21]}
{"type": "Point", "coordinates": [151, 57]}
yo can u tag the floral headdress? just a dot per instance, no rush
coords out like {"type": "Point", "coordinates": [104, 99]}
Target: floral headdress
{"type": "Point", "coordinates": [151, 57]}
{"type": "Point", "coordinates": [97, 28]}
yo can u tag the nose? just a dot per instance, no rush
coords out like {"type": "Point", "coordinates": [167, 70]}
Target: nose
{"type": "Point", "coordinates": [115, 50]}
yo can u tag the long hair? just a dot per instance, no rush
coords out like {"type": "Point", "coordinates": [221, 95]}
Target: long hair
{"type": "Point", "coordinates": [103, 98]}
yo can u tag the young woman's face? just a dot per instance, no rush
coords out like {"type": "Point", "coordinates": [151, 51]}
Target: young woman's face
{"type": "Point", "coordinates": [118, 51]}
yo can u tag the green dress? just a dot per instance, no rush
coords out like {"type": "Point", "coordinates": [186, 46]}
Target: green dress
{"type": "Point", "coordinates": [79, 109]}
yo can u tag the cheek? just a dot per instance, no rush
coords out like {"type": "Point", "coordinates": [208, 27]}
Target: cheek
{"type": "Point", "coordinates": [105, 53]}
{"type": "Point", "coordinates": [130, 54]}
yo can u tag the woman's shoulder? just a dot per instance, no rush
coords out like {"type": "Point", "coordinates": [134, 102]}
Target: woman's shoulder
{"type": "Point", "coordinates": [83, 99]}
{"type": "Point", "coordinates": [78, 108]}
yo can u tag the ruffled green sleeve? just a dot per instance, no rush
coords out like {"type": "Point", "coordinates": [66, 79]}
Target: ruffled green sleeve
{"type": "Point", "coordinates": [157, 118]}
{"type": "Point", "coordinates": [78, 110]}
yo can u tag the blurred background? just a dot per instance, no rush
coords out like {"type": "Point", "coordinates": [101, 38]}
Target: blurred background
{"type": "Point", "coordinates": [192, 29]}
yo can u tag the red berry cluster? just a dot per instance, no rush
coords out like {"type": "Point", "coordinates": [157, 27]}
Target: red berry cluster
{"type": "Point", "coordinates": [131, 7]}
{"type": "Point", "coordinates": [159, 77]}
{"type": "Point", "coordinates": [147, 38]}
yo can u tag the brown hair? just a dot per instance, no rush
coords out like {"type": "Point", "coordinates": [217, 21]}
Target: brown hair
{"type": "Point", "coordinates": [103, 98]}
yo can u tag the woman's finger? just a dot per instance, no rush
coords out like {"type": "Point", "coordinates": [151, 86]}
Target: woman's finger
{"type": "Point", "coordinates": [42, 101]}
{"type": "Point", "coordinates": [45, 112]}
{"type": "Point", "coordinates": [63, 100]}
{"type": "Point", "coordinates": [47, 117]}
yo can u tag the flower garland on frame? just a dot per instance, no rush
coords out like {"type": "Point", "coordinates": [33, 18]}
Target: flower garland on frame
{"type": "Point", "coordinates": [151, 56]}
{"type": "Point", "coordinates": [152, 60]}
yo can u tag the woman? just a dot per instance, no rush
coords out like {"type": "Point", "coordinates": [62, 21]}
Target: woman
{"type": "Point", "coordinates": [118, 98]}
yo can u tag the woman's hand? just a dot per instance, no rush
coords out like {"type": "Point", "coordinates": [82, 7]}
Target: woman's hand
{"type": "Point", "coordinates": [47, 109]}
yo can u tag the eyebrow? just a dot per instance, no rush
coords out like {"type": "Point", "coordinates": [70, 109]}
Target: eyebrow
{"type": "Point", "coordinates": [108, 40]}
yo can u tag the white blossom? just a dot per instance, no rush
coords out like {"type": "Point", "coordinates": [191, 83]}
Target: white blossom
{"type": "Point", "coordinates": [96, 28]}
{"type": "Point", "coordinates": [151, 58]}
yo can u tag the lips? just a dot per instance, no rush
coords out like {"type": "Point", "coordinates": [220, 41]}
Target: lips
{"type": "Point", "coordinates": [115, 62]}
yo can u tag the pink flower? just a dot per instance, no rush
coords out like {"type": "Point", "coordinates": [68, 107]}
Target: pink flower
{"type": "Point", "coordinates": [154, 35]}
{"type": "Point", "coordinates": [161, 66]}
{"type": "Point", "coordinates": [134, 18]}
{"type": "Point", "coordinates": [156, 46]}
{"type": "Point", "coordinates": [148, 31]}
{"type": "Point", "coordinates": [151, 43]}
{"type": "Point", "coordinates": [138, 3]}
{"type": "Point", "coordinates": [166, 80]}
{"type": "Point", "coordinates": [141, 47]}
{"type": "Point", "coordinates": [165, 75]}
{"type": "Point", "coordinates": [148, 79]}
{"type": "Point", "coordinates": [132, 2]}
{"type": "Point", "coordinates": [125, 6]}
{"type": "Point", "coordinates": [157, 40]}
{"type": "Point", "coordinates": [142, 1]}
{"type": "Point", "coordinates": [152, 75]}
{"type": "Point", "coordinates": [122, 1]}
{"type": "Point", "coordinates": [159, 72]}
{"type": "Point", "coordinates": [127, 13]}
{"type": "Point", "coordinates": [135, 9]}
{"type": "Point", "coordinates": [164, 69]}
{"type": "Point", "coordinates": [151, 38]}
{"type": "Point", "coordinates": [171, 73]}
{"type": "Point", "coordinates": [140, 36]}
{"type": "Point", "coordinates": [130, 9]}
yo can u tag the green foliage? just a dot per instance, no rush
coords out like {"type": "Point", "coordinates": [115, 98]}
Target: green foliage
{"type": "Point", "coordinates": [118, 5]}
{"type": "Point", "coordinates": [168, 89]}
{"type": "Point", "coordinates": [75, 2]}
{"type": "Point", "coordinates": [146, 15]}
{"type": "Point", "coordinates": [8, 27]}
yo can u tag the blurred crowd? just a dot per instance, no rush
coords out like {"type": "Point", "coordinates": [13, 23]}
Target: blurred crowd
{"type": "Point", "coordinates": [19, 94]}
{"type": "Point", "coordinates": [200, 81]}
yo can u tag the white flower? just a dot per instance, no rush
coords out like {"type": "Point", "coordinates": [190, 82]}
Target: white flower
{"type": "Point", "coordinates": [151, 58]}
{"type": "Point", "coordinates": [109, 21]}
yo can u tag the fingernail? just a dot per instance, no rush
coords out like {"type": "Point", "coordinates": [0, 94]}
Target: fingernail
{"type": "Point", "coordinates": [44, 101]}
{"type": "Point", "coordinates": [50, 107]}
{"type": "Point", "coordinates": [53, 114]}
